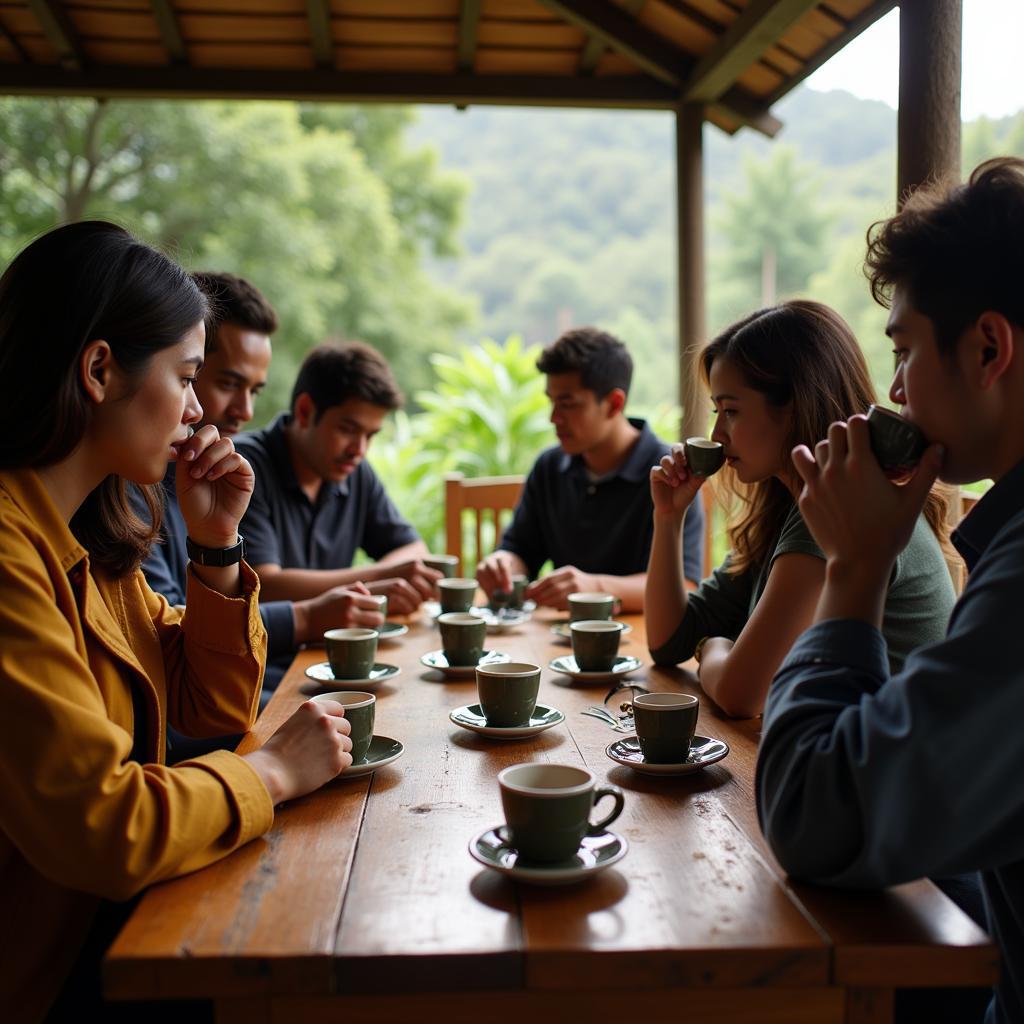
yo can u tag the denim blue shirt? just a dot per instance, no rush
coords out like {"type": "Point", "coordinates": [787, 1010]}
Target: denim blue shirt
{"type": "Point", "coordinates": [603, 526]}
{"type": "Point", "coordinates": [866, 779]}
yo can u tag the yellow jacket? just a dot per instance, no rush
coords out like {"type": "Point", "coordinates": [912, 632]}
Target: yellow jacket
{"type": "Point", "coordinates": [80, 819]}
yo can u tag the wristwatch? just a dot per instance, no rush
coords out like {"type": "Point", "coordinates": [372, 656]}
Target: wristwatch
{"type": "Point", "coordinates": [218, 557]}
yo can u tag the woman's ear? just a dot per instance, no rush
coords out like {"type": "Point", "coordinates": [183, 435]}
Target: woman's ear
{"type": "Point", "coordinates": [95, 370]}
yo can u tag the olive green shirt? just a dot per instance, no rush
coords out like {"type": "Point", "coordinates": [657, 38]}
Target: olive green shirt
{"type": "Point", "coordinates": [917, 607]}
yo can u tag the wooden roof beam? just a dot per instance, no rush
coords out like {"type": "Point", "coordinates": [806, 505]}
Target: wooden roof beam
{"type": "Point", "coordinates": [469, 21]}
{"type": "Point", "coordinates": [12, 40]}
{"type": "Point", "coordinates": [60, 32]}
{"type": "Point", "coordinates": [742, 44]}
{"type": "Point", "coordinates": [595, 47]}
{"type": "Point", "coordinates": [170, 32]}
{"type": "Point", "coordinates": [319, 13]}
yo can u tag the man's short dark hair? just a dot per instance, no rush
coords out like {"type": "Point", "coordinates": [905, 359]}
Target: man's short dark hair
{"type": "Point", "coordinates": [233, 300]}
{"type": "Point", "coordinates": [598, 357]}
{"type": "Point", "coordinates": [956, 251]}
{"type": "Point", "coordinates": [333, 373]}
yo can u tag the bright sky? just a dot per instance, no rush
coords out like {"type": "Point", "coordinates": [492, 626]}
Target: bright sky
{"type": "Point", "coordinates": [992, 81]}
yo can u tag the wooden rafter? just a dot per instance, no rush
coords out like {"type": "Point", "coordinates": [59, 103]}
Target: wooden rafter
{"type": "Point", "coordinates": [469, 21]}
{"type": "Point", "coordinates": [61, 33]}
{"type": "Point", "coordinates": [319, 13]}
{"type": "Point", "coordinates": [742, 44]}
{"type": "Point", "coordinates": [12, 40]}
{"type": "Point", "coordinates": [595, 47]}
{"type": "Point", "coordinates": [170, 31]}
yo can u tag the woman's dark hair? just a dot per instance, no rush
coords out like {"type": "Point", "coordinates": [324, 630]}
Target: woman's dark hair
{"type": "Point", "coordinates": [75, 285]}
{"type": "Point", "coordinates": [804, 356]}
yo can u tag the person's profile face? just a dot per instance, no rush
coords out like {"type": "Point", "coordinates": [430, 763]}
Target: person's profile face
{"type": "Point", "coordinates": [581, 419]}
{"type": "Point", "coordinates": [233, 376]}
{"type": "Point", "coordinates": [340, 439]}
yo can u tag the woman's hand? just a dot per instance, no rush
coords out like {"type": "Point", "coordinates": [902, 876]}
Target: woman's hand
{"type": "Point", "coordinates": [673, 486]}
{"type": "Point", "coordinates": [214, 484]}
{"type": "Point", "coordinates": [311, 748]}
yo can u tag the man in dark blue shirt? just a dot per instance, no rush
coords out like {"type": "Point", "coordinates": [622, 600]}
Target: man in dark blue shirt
{"type": "Point", "coordinates": [317, 501]}
{"type": "Point", "coordinates": [586, 504]}
{"type": "Point", "coordinates": [866, 779]}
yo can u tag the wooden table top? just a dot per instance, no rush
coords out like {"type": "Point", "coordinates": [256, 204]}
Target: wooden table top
{"type": "Point", "coordinates": [366, 887]}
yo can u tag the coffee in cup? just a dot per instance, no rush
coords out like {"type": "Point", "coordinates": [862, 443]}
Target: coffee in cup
{"type": "Point", "coordinates": [351, 652]}
{"type": "Point", "coordinates": [457, 594]}
{"type": "Point", "coordinates": [547, 809]}
{"type": "Point", "coordinates": [665, 724]}
{"type": "Point", "coordinates": [508, 693]}
{"type": "Point", "coordinates": [595, 644]}
{"type": "Point", "coordinates": [360, 710]}
{"type": "Point", "coordinates": [703, 457]}
{"type": "Point", "coordinates": [463, 636]}
{"type": "Point", "coordinates": [586, 605]}
{"type": "Point", "coordinates": [897, 443]}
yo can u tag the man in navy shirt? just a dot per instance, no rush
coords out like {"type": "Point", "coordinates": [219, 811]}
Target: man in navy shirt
{"type": "Point", "coordinates": [586, 504]}
{"type": "Point", "coordinates": [317, 501]}
{"type": "Point", "coordinates": [866, 779]}
{"type": "Point", "coordinates": [235, 371]}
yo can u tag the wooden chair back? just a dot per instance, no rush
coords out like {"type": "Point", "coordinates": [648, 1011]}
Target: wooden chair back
{"type": "Point", "coordinates": [487, 497]}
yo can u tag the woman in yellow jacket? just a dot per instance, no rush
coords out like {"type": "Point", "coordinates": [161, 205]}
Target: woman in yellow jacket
{"type": "Point", "coordinates": [101, 338]}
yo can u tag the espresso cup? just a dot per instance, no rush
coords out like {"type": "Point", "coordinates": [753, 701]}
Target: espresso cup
{"type": "Point", "coordinates": [456, 594]}
{"type": "Point", "coordinates": [508, 693]}
{"type": "Point", "coordinates": [447, 565]}
{"type": "Point", "coordinates": [519, 583]}
{"type": "Point", "coordinates": [547, 809]}
{"type": "Point", "coordinates": [463, 636]}
{"type": "Point", "coordinates": [583, 605]}
{"type": "Point", "coordinates": [351, 652]}
{"type": "Point", "coordinates": [595, 643]}
{"type": "Point", "coordinates": [704, 457]}
{"type": "Point", "coordinates": [897, 443]}
{"type": "Point", "coordinates": [665, 723]}
{"type": "Point", "coordinates": [360, 710]}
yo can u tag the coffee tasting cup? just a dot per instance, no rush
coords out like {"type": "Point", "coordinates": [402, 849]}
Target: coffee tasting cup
{"type": "Point", "coordinates": [587, 605]}
{"type": "Point", "coordinates": [351, 651]}
{"type": "Point", "coordinates": [547, 809]}
{"type": "Point", "coordinates": [360, 710]}
{"type": "Point", "coordinates": [508, 692]}
{"type": "Point", "coordinates": [456, 594]}
{"type": "Point", "coordinates": [463, 636]}
{"type": "Point", "coordinates": [595, 643]}
{"type": "Point", "coordinates": [447, 565]}
{"type": "Point", "coordinates": [665, 724]}
{"type": "Point", "coordinates": [510, 598]}
{"type": "Point", "coordinates": [703, 457]}
{"type": "Point", "coordinates": [381, 601]}
{"type": "Point", "coordinates": [897, 443]}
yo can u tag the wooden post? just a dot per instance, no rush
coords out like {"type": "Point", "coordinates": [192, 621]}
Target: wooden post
{"type": "Point", "coordinates": [690, 239]}
{"type": "Point", "coordinates": [929, 114]}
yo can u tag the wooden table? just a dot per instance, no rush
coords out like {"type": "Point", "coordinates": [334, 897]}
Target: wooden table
{"type": "Point", "coordinates": [363, 902]}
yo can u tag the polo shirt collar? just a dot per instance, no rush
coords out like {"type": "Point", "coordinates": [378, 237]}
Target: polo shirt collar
{"type": "Point", "coordinates": [644, 454]}
{"type": "Point", "coordinates": [1004, 500]}
{"type": "Point", "coordinates": [277, 446]}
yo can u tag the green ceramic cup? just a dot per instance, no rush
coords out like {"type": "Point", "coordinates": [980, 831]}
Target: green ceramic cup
{"type": "Point", "coordinates": [508, 693]}
{"type": "Point", "coordinates": [583, 605]}
{"type": "Point", "coordinates": [457, 594]}
{"type": "Point", "coordinates": [665, 724]}
{"type": "Point", "coordinates": [447, 565]}
{"type": "Point", "coordinates": [595, 644]}
{"type": "Point", "coordinates": [897, 443]}
{"type": "Point", "coordinates": [547, 809]}
{"type": "Point", "coordinates": [463, 636]}
{"type": "Point", "coordinates": [519, 583]}
{"type": "Point", "coordinates": [382, 604]}
{"type": "Point", "coordinates": [351, 652]}
{"type": "Point", "coordinates": [704, 457]}
{"type": "Point", "coordinates": [360, 710]}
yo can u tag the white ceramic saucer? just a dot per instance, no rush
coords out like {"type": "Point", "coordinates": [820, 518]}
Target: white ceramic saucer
{"type": "Point", "coordinates": [624, 664]}
{"type": "Point", "coordinates": [561, 630]}
{"type": "Point", "coordinates": [703, 751]}
{"type": "Point", "coordinates": [437, 660]}
{"type": "Point", "coordinates": [471, 717]}
{"type": "Point", "coordinates": [503, 621]}
{"type": "Point", "coordinates": [392, 630]}
{"type": "Point", "coordinates": [492, 849]}
{"type": "Point", "coordinates": [380, 673]}
{"type": "Point", "coordinates": [382, 750]}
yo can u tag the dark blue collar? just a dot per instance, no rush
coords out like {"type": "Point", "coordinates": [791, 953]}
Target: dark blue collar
{"type": "Point", "coordinates": [1003, 501]}
{"type": "Point", "coordinates": [645, 452]}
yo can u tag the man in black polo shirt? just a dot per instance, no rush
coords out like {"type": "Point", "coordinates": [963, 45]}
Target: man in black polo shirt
{"type": "Point", "coordinates": [586, 504]}
{"type": "Point", "coordinates": [317, 501]}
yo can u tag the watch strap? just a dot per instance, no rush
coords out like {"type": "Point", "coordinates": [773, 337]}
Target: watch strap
{"type": "Point", "coordinates": [217, 557]}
